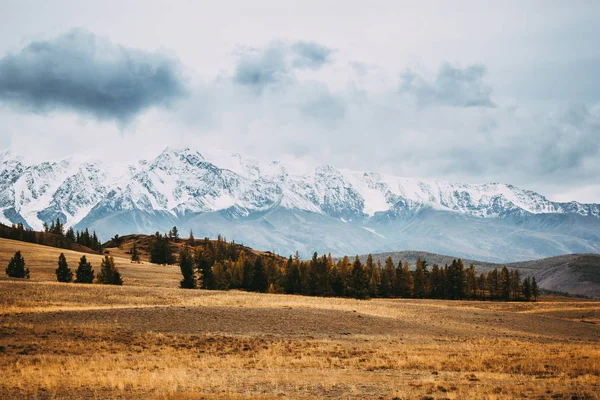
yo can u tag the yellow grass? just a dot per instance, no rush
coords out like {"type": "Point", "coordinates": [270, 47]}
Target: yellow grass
{"type": "Point", "coordinates": [149, 339]}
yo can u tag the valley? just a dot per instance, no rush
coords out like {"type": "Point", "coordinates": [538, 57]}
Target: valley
{"type": "Point", "coordinates": [150, 339]}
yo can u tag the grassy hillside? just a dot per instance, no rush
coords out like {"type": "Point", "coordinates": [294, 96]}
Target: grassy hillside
{"type": "Point", "coordinates": [42, 261]}
{"type": "Point", "coordinates": [123, 245]}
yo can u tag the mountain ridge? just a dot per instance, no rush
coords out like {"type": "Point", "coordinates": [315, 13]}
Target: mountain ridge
{"type": "Point", "coordinates": [237, 195]}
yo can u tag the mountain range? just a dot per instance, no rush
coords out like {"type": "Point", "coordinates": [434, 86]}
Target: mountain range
{"type": "Point", "coordinates": [266, 207]}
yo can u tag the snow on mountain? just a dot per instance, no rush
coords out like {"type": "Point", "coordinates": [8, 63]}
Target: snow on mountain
{"type": "Point", "coordinates": [184, 182]}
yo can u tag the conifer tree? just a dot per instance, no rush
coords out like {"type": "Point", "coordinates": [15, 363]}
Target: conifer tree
{"type": "Point", "coordinates": [293, 285]}
{"type": "Point", "coordinates": [186, 264]}
{"type": "Point", "coordinates": [405, 281]}
{"type": "Point", "coordinates": [135, 256]}
{"type": "Point", "coordinates": [63, 272]}
{"type": "Point", "coordinates": [191, 240]}
{"type": "Point", "coordinates": [204, 261]}
{"type": "Point", "coordinates": [359, 281]}
{"type": "Point", "coordinates": [481, 284]}
{"type": "Point", "coordinates": [527, 289]}
{"type": "Point", "coordinates": [535, 290]}
{"type": "Point", "coordinates": [386, 288]}
{"type": "Point", "coordinates": [109, 274]}
{"type": "Point", "coordinates": [504, 283]}
{"type": "Point", "coordinates": [419, 281]}
{"type": "Point", "coordinates": [259, 277]}
{"type": "Point", "coordinates": [471, 288]}
{"type": "Point", "coordinates": [84, 272]}
{"type": "Point", "coordinates": [436, 282]}
{"type": "Point", "coordinates": [16, 267]}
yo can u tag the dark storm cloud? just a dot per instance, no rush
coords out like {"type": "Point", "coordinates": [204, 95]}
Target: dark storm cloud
{"type": "Point", "coordinates": [275, 63]}
{"type": "Point", "coordinates": [452, 86]}
{"type": "Point", "coordinates": [88, 74]}
{"type": "Point", "coordinates": [310, 55]}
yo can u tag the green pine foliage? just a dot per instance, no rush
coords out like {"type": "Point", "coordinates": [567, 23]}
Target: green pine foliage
{"type": "Point", "coordinates": [84, 272]}
{"type": "Point", "coordinates": [186, 264]}
{"type": "Point", "coordinates": [135, 255]}
{"type": "Point", "coordinates": [63, 272]}
{"type": "Point", "coordinates": [16, 267]}
{"type": "Point", "coordinates": [109, 274]}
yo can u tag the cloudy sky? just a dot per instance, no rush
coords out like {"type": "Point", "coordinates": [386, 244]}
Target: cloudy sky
{"type": "Point", "coordinates": [444, 90]}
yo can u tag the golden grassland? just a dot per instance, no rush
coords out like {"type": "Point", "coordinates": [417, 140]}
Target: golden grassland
{"type": "Point", "coordinates": [149, 339]}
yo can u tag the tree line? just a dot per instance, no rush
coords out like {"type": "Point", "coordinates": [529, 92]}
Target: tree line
{"type": "Point", "coordinates": [218, 265]}
{"type": "Point", "coordinates": [54, 235]}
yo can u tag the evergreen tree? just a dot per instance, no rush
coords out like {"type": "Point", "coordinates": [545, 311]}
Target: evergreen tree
{"type": "Point", "coordinates": [535, 290]}
{"type": "Point", "coordinates": [471, 282]}
{"type": "Point", "coordinates": [186, 264]}
{"type": "Point", "coordinates": [386, 288]}
{"type": "Point", "coordinates": [204, 261]}
{"type": "Point", "coordinates": [527, 289]}
{"type": "Point", "coordinates": [16, 267]}
{"type": "Point", "coordinates": [515, 284]}
{"type": "Point", "coordinates": [70, 234]}
{"type": "Point", "coordinates": [191, 240]}
{"type": "Point", "coordinates": [504, 284]}
{"type": "Point", "coordinates": [481, 284]}
{"type": "Point", "coordinates": [436, 282]}
{"type": "Point", "coordinates": [174, 234]}
{"type": "Point", "coordinates": [293, 284]}
{"type": "Point", "coordinates": [420, 284]}
{"type": "Point", "coordinates": [404, 281]}
{"type": "Point", "coordinates": [63, 272]}
{"type": "Point", "coordinates": [359, 281]}
{"type": "Point", "coordinates": [84, 272]}
{"type": "Point", "coordinates": [109, 274]}
{"type": "Point", "coordinates": [135, 256]}
{"type": "Point", "coordinates": [259, 277]}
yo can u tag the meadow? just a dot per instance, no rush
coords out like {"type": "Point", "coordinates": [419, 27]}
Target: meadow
{"type": "Point", "coordinates": [150, 339]}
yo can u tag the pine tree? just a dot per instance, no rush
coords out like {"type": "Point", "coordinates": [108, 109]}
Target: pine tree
{"type": "Point", "coordinates": [204, 261]}
{"type": "Point", "coordinates": [259, 277]}
{"type": "Point", "coordinates": [293, 285]}
{"type": "Point", "coordinates": [404, 281]}
{"type": "Point", "coordinates": [471, 288]}
{"type": "Point", "coordinates": [504, 283]}
{"type": "Point", "coordinates": [84, 273]}
{"type": "Point", "coordinates": [527, 289]}
{"type": "Point", "coordinates": [419, 290]}
{"type": "Point", "coordinates": [481, 284]}
{"type": "Point", "coordinates": [386, 288]}
{"type": "Point", "coordinates": [135, 256]}
{"type": "Point", "coordinates": [16, 267]}
{"type": "Point", "coordinates": [359, 281]}
{"type": "Point", "coordinates": [186, 264]}
{"type": "Point", "coordinates": [109, 274]}
{"type": "Point", "coordinates": [63, 272]}
{"type": "Point", "coordinates": [535, 290]}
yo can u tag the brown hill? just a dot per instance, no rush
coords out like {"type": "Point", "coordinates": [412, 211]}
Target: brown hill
{"type": "Point", "coordinates": [121, 246]}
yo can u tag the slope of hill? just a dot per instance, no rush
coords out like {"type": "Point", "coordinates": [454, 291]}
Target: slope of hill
{"type": "Point", "coordinates": [578, 275]}
{"type": "Point", "coordinates": [264, 206]}
{"type": "Point", "coordinates": [43, 260]}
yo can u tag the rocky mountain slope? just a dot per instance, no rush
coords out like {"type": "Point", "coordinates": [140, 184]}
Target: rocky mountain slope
{"type": "Point", "coordinates": [264, 206]}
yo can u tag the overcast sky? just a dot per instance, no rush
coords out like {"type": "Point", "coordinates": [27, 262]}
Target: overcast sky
{"type": "Point", "coordinates": [445, 90]}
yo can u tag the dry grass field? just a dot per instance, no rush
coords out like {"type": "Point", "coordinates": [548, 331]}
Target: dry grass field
{"type": "Point", "coordinates": [149, 339]}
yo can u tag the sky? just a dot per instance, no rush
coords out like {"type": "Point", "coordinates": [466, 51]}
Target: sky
{"type": "Point", "coordinates": [460, 91]}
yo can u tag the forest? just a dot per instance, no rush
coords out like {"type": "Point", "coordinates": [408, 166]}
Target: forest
{"type": "Point", "coordinates": [221, 265]}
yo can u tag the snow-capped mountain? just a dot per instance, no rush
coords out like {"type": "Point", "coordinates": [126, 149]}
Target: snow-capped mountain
{"type": "Point", "coordinates": [330, 209]}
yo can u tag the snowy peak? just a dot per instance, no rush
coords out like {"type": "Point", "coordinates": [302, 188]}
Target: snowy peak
{"type": "Point", "coordinates": [181, 182]}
